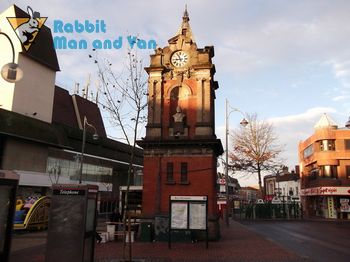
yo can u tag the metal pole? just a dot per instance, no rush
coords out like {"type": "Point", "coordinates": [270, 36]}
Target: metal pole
{"type": "Point", "coordinates": [12, 47]}
{"type": "Point", "coordinates": [82, 152]}
{"type": "Point", "coordinates": [226, 166]}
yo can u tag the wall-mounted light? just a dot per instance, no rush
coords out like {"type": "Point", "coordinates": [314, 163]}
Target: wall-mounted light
{"type": "Point", "coordinates": [11, 72]}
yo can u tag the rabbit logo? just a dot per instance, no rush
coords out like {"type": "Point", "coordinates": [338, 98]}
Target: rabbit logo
{"type": "Point", "coordinates": [27, 28]}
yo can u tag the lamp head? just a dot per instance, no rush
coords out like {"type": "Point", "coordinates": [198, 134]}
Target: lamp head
{"type": "Point", "coordinates": [95, 136]}
{"type": "Point", "coordinates": [11, 72]}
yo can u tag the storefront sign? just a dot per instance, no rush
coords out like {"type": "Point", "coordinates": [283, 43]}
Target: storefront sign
{"type": "Point", "coordinates": [189, 198]}
{"type": "Point", "coordinates": [69, 192]}
{"type": "Point", "coordinates": [344, 205]}
{"type": "Point", "coordinates": [331, 210]}
{"type": "Point", "coordinates": [326, 191]}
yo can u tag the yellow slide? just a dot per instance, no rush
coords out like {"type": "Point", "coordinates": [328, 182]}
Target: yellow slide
{"type": "Point", "coordinates": [36, 218]}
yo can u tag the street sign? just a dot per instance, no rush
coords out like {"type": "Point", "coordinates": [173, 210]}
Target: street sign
{"type": "Point", "coordinates": [276, 200]}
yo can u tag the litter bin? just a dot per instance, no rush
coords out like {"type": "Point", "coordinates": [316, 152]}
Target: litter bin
{"type": "Point", "coordinates": [147, 232]}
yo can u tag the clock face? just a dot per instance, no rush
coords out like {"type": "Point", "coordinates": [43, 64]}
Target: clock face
{"type": "Point", "coordinates": [179, 59]}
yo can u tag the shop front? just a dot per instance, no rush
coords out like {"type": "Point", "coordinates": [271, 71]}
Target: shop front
{"type": "Point", "coordinates": [326, 202]}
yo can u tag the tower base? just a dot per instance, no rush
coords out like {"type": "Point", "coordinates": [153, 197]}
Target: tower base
{"type": "Point", "coordinates": [157, 229]}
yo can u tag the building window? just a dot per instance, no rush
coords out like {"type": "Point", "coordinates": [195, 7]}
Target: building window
{"type": "Point", "coordinates": [184, 171]}
{"type": "Point", "coordinates": [314, 173]}
{"type": "Point", "coordinates": [170, 172]}
{"type": "Point", "coordinates": [296, 191]}
{"type": "Point", "coordinates": [329, 171]}
{"type": "Point", "coordinates": [291, 191]}
{"type": "Point", "coordinates": [57, 168]}
{"type": "Point", "coordinates": [308, 151]}
{"type": "Point", "coordinates": [271, 187]}
{"type": "Point", "coordinates": [348, 172]}
{"type": "Point", "coordinates": [327, 145]}
{"type": "Point", "coordinates": [347, 144]}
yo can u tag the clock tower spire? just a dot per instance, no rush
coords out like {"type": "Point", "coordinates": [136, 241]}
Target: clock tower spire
{"type": "Point", "coordinates": [180, 146]}
{"type": "Point", "coordinates": [185, 28]}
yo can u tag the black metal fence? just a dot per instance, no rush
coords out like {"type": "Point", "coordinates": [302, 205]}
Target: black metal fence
{"type": "Point", "coordinates": [268, 211]}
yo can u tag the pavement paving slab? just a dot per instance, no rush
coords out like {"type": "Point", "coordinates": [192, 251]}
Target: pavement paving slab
{"type": "Point", "coordinates": [238, 243]}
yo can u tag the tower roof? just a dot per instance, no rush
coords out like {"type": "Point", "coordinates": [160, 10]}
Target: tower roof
{"type": "Point", "coordinates": [326, 122]}
{"type": "Point", "coordinates": [185, 28]}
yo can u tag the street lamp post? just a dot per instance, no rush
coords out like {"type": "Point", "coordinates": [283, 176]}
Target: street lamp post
{"type": "Point", "coordinates": [94, 136]}
{"type": "Point", "coordinates": [11, 72]}
{"type": "Point", "coordinates": [243, 123]}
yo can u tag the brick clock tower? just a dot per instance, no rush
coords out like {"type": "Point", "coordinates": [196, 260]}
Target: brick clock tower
{"type": "Point", "coordinates": [180, 146]}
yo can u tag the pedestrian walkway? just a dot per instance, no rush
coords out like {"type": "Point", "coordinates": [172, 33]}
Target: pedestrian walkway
{"type": "Point", "coordinates": [238, 243]}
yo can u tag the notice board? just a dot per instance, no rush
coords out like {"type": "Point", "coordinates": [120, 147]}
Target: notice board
{"type": "Point", "coordinates": [188, 213]}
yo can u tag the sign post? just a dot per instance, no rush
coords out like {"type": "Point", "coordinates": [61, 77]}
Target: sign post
{"type": "Point", "coordinates": [188, 213]}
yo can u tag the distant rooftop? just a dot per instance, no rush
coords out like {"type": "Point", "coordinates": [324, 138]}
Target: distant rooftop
{"type": "Point", "coordinates": [326, 122]}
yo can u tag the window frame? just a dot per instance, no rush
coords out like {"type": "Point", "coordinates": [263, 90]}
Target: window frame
{"type": "Point", "coordinates": [170, 172]}
{"type": "Point", "coordinates": [184, 173]}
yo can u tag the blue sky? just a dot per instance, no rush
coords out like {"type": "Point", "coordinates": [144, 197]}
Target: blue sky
{"type": "Point", "coordinates": [288, 61]}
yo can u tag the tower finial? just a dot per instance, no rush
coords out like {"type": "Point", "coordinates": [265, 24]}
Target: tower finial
{"type": "Point", "coordinates": [185, 29]}
{"type": "Point", "coordinates": [186, 17]}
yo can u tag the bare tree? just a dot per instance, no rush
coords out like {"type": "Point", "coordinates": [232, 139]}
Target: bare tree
{"type": "Point", "coordinates": [55, 172]}
{"type": "Point", "coordinates": [255, 148]}
{"type": "Point", "coordinates": [124, 97]}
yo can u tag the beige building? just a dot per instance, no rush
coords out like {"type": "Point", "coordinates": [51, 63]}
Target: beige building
{"type": "Point", "coordinates": [325, 171]}
{"type": "Point", "coordinates": [39, 64]}
{"type": "Point", "coordinates": [42, 126]}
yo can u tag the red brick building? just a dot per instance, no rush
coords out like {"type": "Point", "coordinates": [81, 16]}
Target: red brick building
{"type": "Point", "coordinates": [180, 146]}
{"type": "Point", "coordinates": [248, 194]}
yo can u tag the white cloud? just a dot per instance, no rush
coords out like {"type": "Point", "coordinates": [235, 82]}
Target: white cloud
{"type": "Point", "coordinates": [341, 98]}
{"type": "Point", "coordinates": [271, 35]}
{"type": "Point", "coordinates": [292, 129]}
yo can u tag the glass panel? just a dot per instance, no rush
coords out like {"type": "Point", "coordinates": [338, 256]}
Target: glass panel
{"type": "Point", "coordinates": [88, 248]}
{"type": "Point", "coordinates": [184, 172]}
{"type": "Point", "coordinates": [329, 171]}
{"type": "Point", "coordinates": [348, 172]}
{"type": "Point", "coordinates": [327, 145]}
{"type": "Point", "coordinates": [179, 217]}
{"type": "Point", "coordinates": [198, 216]}
{"type": "Point", "coordinates": [170, 172]}
{"type": "Point", "coordinates": [308, 151]}
{"type": "Point", "coordinates": [90, 215]}
{"type": "Point", "coordinates": [70, 169]}
{"type": "Point", "coordinates": [347, 144]}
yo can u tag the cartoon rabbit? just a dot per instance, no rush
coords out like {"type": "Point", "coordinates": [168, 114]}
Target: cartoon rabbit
{"type": "Point", "coordinates": [26, 30]}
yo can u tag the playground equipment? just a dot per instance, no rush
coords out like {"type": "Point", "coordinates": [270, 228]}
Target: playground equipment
{"type": "Point", "coordinates": [33, 215]}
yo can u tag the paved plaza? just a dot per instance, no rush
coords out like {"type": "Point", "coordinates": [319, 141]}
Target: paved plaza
{"type": "Point", "coordinates": [238, 243]}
